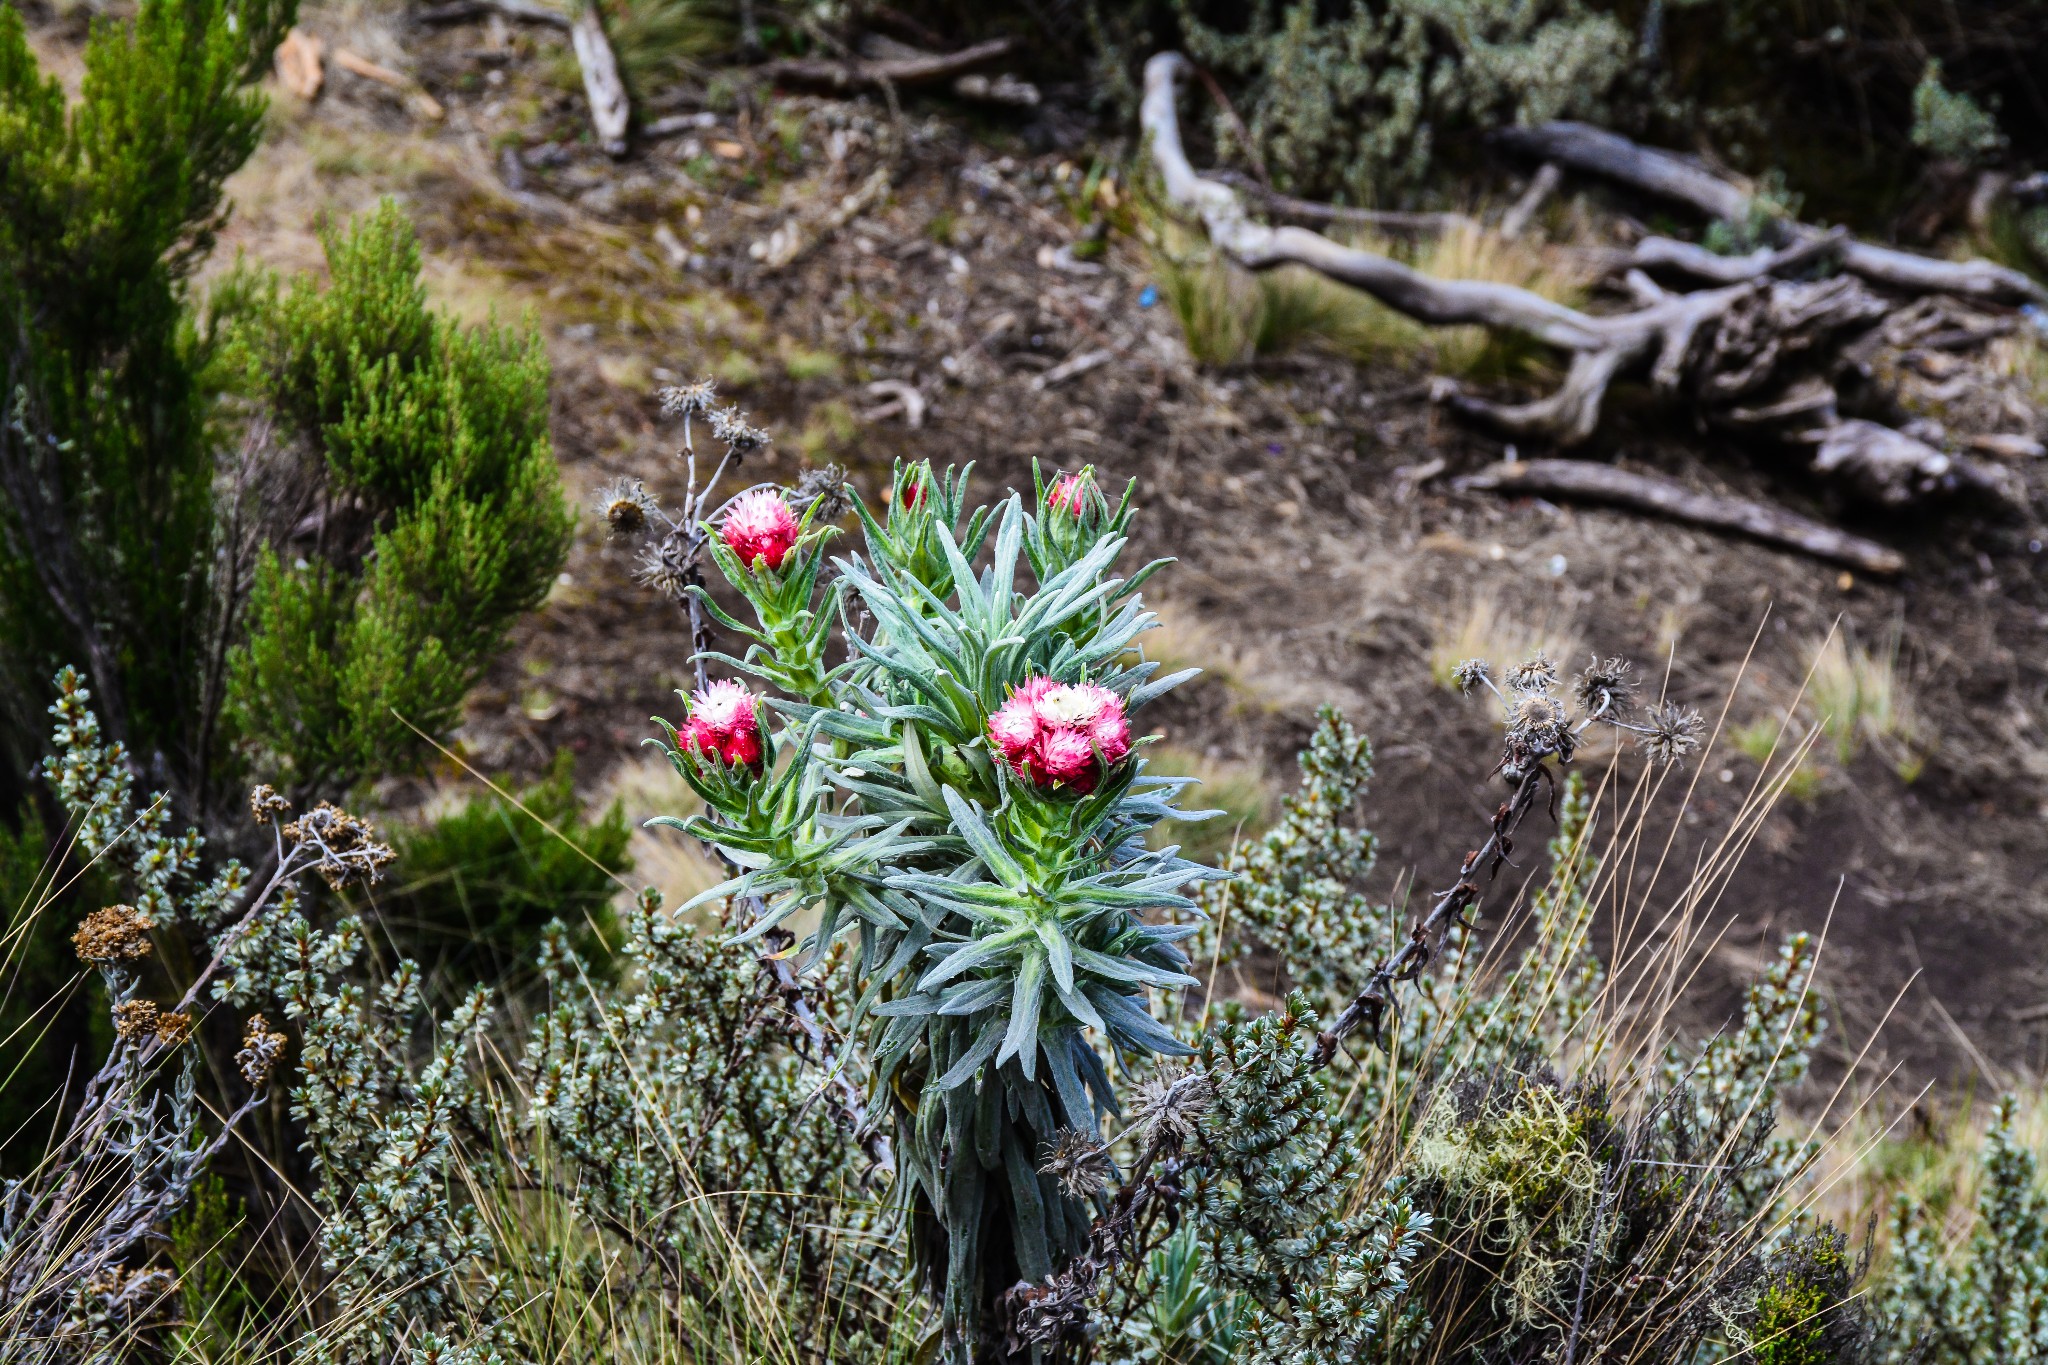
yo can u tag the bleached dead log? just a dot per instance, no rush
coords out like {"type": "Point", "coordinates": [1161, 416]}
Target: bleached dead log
{"type": "Point", "coordinates": [1585, 480]}
{"type": "Point", "coordinates": [863, 74]}
{"type": "Point", "coordinates": [1544, 184]}
{"type": "Point", "coordinates": [1756, 351]}
{"type": "Point", "coordinates": [1596, 151]}
{"type": "Point", "coordinates": [517, 11]}
{"type": "Point", "coordinates": [1308, 211]}
{"type": "Point", "coordinates": [610, 111]}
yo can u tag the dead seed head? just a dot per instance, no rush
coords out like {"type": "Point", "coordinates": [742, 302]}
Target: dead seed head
{"type": "Point", "coordinates": [663, 568]}
{"type": "Point", "coordinates": [1079, 1161]}
{"type": "Point", "coordinates": [345, 847]}
{"type": "Point", "coordinates": [261, 1047]}
{"type": "Point", "coordinates": [1470, 673]}
{"type": "Point", "coordinates": [1605, 686]}
{"type": "Point", "coordinates": [135, 1019]}
{"type": "Point", "coordinates": [730, 426]}
{"type": "Point", "coordinates": [1537, 675]}
{"type": "Point", "coordinates": [173, 1028]}
{"type": "Point", "coordinates": [689, 400]}
{"type": "Point", "coordinates": [627, 507]}
{"type": "Point", "coordinates": [824, 489]}
{"type": "Point", "coordinates": [1169, 1103]}
{"type": "Point", "coordinates": [1672, 733]}
{"type": "Point", "coordinates": [265, 805]}
{"type": "Point", "coordinates": [116, 933]}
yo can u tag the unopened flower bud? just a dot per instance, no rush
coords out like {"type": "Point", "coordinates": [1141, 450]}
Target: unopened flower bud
{"type": "Point", "coordinates": [1069, 493]}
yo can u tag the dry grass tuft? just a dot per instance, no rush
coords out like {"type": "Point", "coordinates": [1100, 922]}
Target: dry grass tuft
{"type": "Point", "coordinates": [662, 858]}
{"type": "Point", "coordinates": [1857, 696]}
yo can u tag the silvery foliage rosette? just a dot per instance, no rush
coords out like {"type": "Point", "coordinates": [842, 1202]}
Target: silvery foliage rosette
{"type": "Point", "coordinates": [1006, 937]}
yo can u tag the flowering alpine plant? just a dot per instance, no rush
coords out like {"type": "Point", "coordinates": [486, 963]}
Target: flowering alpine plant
{"type": "Point", "coordinates": [760, 529]}
{"type": "Point", "coordinates": [964, 795]}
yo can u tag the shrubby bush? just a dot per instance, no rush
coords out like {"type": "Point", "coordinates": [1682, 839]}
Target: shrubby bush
{"type": "Point", "coordinates": [277, 525]}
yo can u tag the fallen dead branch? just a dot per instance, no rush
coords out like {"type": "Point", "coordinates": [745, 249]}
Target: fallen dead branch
{"type": "Point", "coordinates": [1308, 211]}
{"type": "Point", "coordinates": [417, 100]}
{"type": "Point", "coordinates": [1757, 351]}
{"type": "Point", "coordinates": [863, 73]}
{"type": "Point", "coordinates": [1581, 147]}
{"type": "Point", "coordinates": [515, 11]}
{"type": "Point", "coordinates": [1583, 479]}
{"type": "Point", "coordinates": [610, 111]}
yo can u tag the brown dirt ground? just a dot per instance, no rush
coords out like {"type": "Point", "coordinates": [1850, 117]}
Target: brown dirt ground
{"type": "Point", "coordinates": [1313, 566]}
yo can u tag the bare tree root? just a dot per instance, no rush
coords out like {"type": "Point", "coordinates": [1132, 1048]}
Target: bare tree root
{"type": "Point", "coordinates": [1754, 351]}
{"type": "Point", "coordinates": [1591, 482]}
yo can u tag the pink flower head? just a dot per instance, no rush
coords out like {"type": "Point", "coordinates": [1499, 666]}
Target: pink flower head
{"type": "Point", "coordinates": [913, 493]}
{"type": "Point", "coordinates": [1013, 728]}
{"type": "Point", "coordinates": [725, 725]}
{"type": "Point", "coordinates": [1051, 733]}
{"type": "Point", "coordinates": [1065, 757]}
{"type": "Point", "coordinates": [760, 528]}
{"type": "Point", "coordinates": [1069, 493]}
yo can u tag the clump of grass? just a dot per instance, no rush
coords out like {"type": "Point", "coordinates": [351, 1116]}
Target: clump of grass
{"type": "Point", "coordinates": [803, 362]}
{"type": "Point", "coordinates": [1857, 696]}
{"type": "Point", "coordinates": [660, 40]}
{"type": "Point", "coordinates": [662, 858]}
{"type": "Point", "coordinates": [1472, 253]}
{"type": "Point", "coordinates": [1760, 742]}
{"type": "Point", "coordinates": [1487, 629]}
{"type": "Point", "coordinates": [1237, 789]}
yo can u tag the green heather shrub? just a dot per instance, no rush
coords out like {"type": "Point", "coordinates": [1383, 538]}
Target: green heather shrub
{"type": "Point", "coordinates": [1352, 102]}
{"type": "Point", "coordinates": [264, 525]}
{"type": "Point", "coordinates": [109, 435]}
{"type": "Point", "coordinates": [433, 486]}
{"type": "Point", "coordinates": [476, 887]}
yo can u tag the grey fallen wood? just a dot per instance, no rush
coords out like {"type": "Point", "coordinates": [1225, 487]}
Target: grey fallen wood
{"type": "Point", "coordinates": [517, 11]}
{"type": "Point", "coordinates": [1596, 151]}
{"type": "Point", "coordinates": [1583, 479]}
{"type": "Point", "coordinates": [610, 111]}
{"type": "Point", "coordinates": [862, 73]}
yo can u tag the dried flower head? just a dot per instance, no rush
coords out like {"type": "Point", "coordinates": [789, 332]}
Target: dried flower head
{"type": "Point", "coordinates": [1672, 733]}
{"type": "Point", "coordinates": [265, 805]}
{"type": "Point", "coordinates": [1079, 1161]}
{"type": "Point", "coordinates": [173, 1028]}
{"type": "Point", "coordinates": [344, 847]}
{"type": "Point", "coordinates": [663, 568]}
{"type": "Point", "coordinates": [687, 400]}
{"type": "Point", "coordinates": [135, 1019]}
{"type": "Point", "coordinates": [760, 528]}
{"type": "Point", "coordinates": [823, 493]}
{"type": "Point", "coordinates": [1069, 492]}
{"type": "Point", "coordinates": [627, 507]}
{"type": "Point", "coordinates": [114, 933]}
{"type": "Point", "coordinates": [1606, 687]}
{"type": "Point", "coordinates": [730, 426]}
{"type": "Point", "coordinates": [1169, 1103]}
{"type": "Point", "coordinates": [1534, 675]}
{"type": "Point", "coordinates": [725, 724]}
{"type": "Point", "coordinates": [261, 1047]}
{"type": "Point", "coordinates": [1471, 673]}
